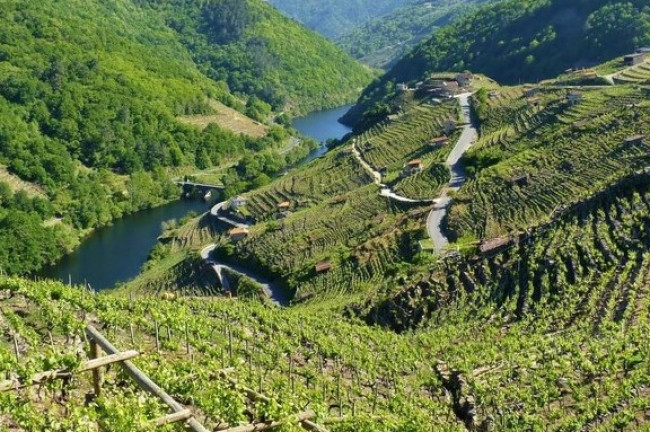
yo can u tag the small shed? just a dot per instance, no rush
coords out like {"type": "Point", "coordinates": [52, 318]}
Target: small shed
{"type": "Point", "coordinates": [284, 205]}
{"type": "Point", "coordinates": [401, 87]}
{"type": "Point", "coordinates": [634, 140]}
{"type": "Point", "coordinates": [439, 142]}
{"type": "Point", "coordinates": [634, 59]}
{"type": "Point", "coordinates": [580, 124]}
{"type": "Point", "coordinates": [237, 234]}
{"type": "Point", "coordinates": [494, 245]}
{"type": "Point", "coordinates": [323, 267]}
{"type": "Point", "coordinates": [412, 167]}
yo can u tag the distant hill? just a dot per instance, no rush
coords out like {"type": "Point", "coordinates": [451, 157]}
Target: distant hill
{"type": "Point", "coordinates": [335, 18]}
{"type": "Point", "coordinates": [385, 39]}
{"type": "Point", "coordinates": [520, 41]}
{"type": "Point", "coordinates": [257, 51]}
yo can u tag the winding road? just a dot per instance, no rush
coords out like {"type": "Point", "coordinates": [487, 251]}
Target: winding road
{"type": "Point", "coordinates": [278, 295]}
{"type": "Point", "coordinates": [215, 211]}
{"type": "Point", "coordinates": [376, 175]}
{"type": "Point", "coordinates": [458, 177]}
{"type": "Point", "coordinates": [272, 290]}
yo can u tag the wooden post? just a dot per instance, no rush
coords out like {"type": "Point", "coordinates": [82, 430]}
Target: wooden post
{"type": "Point", "coordinates": [229, 344]}
{"type": "Point", "coordinates": [142, 380]}
{"type": "Point", "coordinates": [49, 333]}
{"type": "Point", "coordinates": [97, 373]}
{"type": "Point", "coordinates": [157, 337]}
{"type": "Point", "coordinates": [338, 394]}
{"type": "Point", "coordinates": [291, 383]}
{"type": "Point", "coordinates": [16, 350]}
{"type": "Point", "coordinates": [132, 335]}
{"type": "Point", "coordinates": [187, 339]}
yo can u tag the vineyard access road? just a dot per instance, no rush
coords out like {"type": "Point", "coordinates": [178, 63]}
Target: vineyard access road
{"type": "Point", "coordinates": [467, 139]}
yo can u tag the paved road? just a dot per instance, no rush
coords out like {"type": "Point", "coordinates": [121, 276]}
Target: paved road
{"type": "Point", "coordinates": [215, 211]}
{"type": "Point", "coordinates": [385, 190]}
{"type": "Point", "coordinates": [276, 293]}
{"type": "Point", "coordinates": [442, 203]}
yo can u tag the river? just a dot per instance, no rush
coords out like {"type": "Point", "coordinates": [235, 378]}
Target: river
{"type": "Point", "coordinates": [115, 254]}
{"type": "Point", "coordinates": [322, 125]}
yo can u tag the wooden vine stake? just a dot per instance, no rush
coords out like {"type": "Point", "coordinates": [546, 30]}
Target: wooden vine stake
{"type": "Point", "coordinates": [187, 339]}
{"type": "Point", "coordinates": [157, 337]}
{"type": "Point", "coordinates": [16, 350]}
{"type": "Point", "coordinates": [97, 373]}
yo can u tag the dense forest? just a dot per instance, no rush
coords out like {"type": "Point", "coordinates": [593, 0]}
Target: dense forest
{"type": "Point", "coordinates": [521, 41]}
{"type": "Point", "coordinates": [257, 51]}
{"type": "Point", "coordinates": [90, 93]}
{"type": "Point", "coordinates": [385, 39]}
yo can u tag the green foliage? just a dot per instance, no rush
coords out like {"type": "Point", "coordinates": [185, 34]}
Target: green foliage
{"type": "Point", "coordinates": [260, 53]}
{"type": "Point", "coordinates": [514, 41]}
{"type": "Point", "coordinates": [552, 145]}
{"type": "Point", "coordinates": [90, 93]}
{"type": "Point", "coordinates": [384, 39]}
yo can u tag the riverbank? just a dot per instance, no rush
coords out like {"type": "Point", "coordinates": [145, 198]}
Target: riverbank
{"type": "Point", "coordinates": [115, 254]}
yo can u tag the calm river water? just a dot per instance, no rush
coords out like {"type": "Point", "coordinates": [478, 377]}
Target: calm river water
{"type": "Point", "coordinates": [115, 254]}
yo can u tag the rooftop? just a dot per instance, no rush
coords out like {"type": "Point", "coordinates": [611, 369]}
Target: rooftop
{"type": "Point", "coordinates": [495, 243]}
{"type": "Point", "coordinates": [323, 266]}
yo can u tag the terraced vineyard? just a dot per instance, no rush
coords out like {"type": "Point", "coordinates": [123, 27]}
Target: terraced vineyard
{"type": "Point", "coordinates": [424, 185]}
{"type": "Point", "coordinates": [475, 369]}
{"type": "Point", "coordinates": [589, 265]}
{"type": "Point", "coordinates": [335, 173]}
{"type": "Point", "coordinates": [360, 232]}
{"type": "Point", "coordinates": [574, 151]}
{"type": "Point", "coordinates": [392, 144]}
{"type": "Point", "coordinates": [637, 74]}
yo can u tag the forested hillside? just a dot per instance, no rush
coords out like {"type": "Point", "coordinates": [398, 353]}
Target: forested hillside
{"type": "Point", "coordinates": [385, 39]}
{"type": "Point", "coordinates": [335, 18]}
{"type": "Point", "coordinates": [521, 41]}
{"type": "Point", "coordinates": [90, 92]}
{"type": "Point", "coordinates": [257, 51]}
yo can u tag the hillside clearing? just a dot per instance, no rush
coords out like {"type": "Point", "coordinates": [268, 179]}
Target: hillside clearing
{"type": "Point", "coordinates": [226, 118]}
{"type": "Point", "coordinates": [17, 184]}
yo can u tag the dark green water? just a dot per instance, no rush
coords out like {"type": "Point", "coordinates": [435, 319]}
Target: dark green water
{"type": "Point", "coordinates": [115, 254]}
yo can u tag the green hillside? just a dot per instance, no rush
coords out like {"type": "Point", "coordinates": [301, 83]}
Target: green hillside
{"type": "Point", "coordinates": [91, 94]}
{"type": "Point", "coordinates": [257, 51]}
{"type": "Point", "coordinates": [385, 39]}
{"type": "Point", "coordinates": [520, 41]}
{"type": "Point", "coordinates": [335, 18]}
